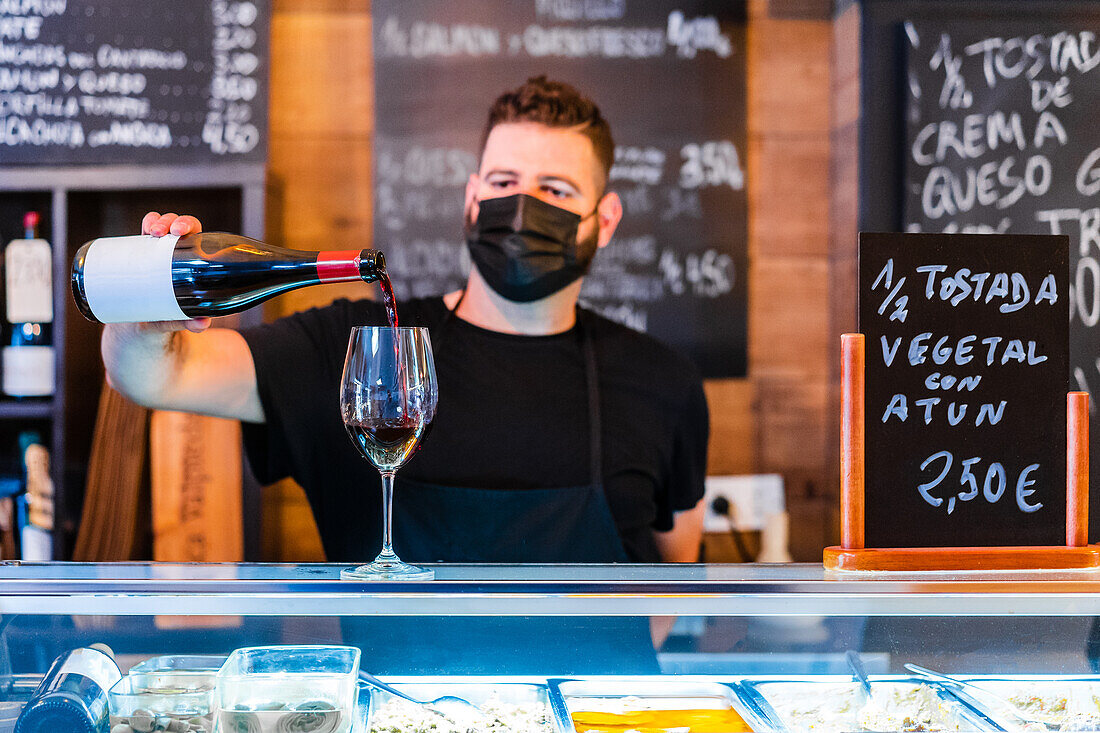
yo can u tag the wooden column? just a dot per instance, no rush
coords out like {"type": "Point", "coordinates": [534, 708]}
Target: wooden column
{"type": "Point", "coordinates": [1077, 469]}
{"type": "Point", "coordinates": [852, 441]}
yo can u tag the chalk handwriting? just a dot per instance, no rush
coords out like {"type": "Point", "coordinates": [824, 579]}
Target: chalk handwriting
{"type": "Point", "coordinates": [946, 192]}
{"type": "Point", "coordinates": [638, 165]}
{"type": "Point", "coordinates": [713, 163]}
{"type": "Point", "coordinates": [1010, 290]}
{"type": "Point", "coordinates": [1061, 52]}
{"type": "Point", "coordinates": [691, 35]}
{"type": "Point", "coordinates": [580, 9]}
{"type": "Point", "coordinates": [993, 486]}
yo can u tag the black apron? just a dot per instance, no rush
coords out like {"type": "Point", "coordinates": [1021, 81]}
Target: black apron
{"type": "Point", "coordinates": [571, 524]}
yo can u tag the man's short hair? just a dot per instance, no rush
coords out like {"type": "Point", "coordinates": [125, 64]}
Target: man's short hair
{"type": "Point", "coordinates": [554, 104]}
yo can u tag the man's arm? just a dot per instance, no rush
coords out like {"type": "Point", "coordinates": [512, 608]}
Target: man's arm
{"type": "Point", "coordinates": [681, 543]}
{"type": "Point", "coordinates": [210, 373]}
{"type": "Point", "coordinates": [182, 366]}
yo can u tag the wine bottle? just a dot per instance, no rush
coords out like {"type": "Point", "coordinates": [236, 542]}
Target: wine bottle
{"type": "Point", "coordinates": [28, 355]}
{"type": "Point", "coordinates": [72, 697]}
{"type": "Point", "coordinates": [173, 278]}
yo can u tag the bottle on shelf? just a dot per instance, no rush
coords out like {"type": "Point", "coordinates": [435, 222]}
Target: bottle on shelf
{"type": "Point", "coordinates": [36, 534]}
{"type": "Point", "coordinates": [72, 697]}
{"type": "Point", "coordinates": [173, 278]}
{"type": "Point", "coordinates": [28, 354]}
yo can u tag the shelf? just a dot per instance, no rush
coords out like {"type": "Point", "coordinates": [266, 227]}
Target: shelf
{"type": "Point", "coordinates": [26, 409]}
{"type": "Point", "coordinates": [79, 203]}
{"type": "Point", "coordinates": [135, 589]}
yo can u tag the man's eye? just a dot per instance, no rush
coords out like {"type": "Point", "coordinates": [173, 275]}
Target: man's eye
{"type": "Point", "coordinates": [500, 184]}
{"type": "Point", "coordinates": [556, 192]}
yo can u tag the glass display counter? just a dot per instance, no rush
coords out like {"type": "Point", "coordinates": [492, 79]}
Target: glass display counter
{"type": "Point", "coordinates": [578, 627]}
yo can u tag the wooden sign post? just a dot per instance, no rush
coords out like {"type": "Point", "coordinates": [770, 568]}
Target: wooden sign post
{"type": "Point", "coordinates": [953, 454]}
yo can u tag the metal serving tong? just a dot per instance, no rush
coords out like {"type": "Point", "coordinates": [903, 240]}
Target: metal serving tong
{"type": "Point", "coordinates": [454, 709]}
{"type": "Point", "coordinates": [858, 672]}
{"type": "Point", "coordinates": [1021, 718]}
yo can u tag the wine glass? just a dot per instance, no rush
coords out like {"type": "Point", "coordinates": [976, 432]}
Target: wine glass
{"type": "Point", "coordinates": [388, 397]}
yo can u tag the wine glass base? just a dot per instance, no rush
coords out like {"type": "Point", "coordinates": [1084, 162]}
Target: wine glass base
{"type": "Point", "coordinates": [387, 571]}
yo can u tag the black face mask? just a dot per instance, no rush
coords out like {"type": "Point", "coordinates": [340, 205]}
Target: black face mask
{"type": "Point", "coordinates": [527, 249]}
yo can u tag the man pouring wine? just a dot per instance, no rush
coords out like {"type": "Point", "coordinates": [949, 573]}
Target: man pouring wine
{"type": "Point", "coordinates": [560, 436]}
{"type": "Point", "coordinates": [516, 406]}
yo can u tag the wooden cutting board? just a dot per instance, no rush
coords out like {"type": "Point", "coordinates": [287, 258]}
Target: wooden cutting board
{"type": "Point", "coordinates": [196, 476]}
{"type": "Point", "coordinates": [195, 466]}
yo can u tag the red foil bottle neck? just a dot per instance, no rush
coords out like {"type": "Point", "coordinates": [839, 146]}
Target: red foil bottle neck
{"type": "Point", "coordinates": [335, 267]}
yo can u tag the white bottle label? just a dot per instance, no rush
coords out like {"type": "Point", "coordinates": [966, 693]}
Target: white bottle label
{"type": "Point", "coordinates": [93, 664]}
{"type": "Point", "coordinates": [28, 371]}
{"type": "Point", "coordinates": [129, 279]}
{"type": "Point", "coordinates": [37, 544]}
{"type": "Point", "coordinates": [28, 269]}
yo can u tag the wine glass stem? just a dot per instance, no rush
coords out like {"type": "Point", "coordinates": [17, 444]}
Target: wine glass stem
{"type": "Point", "coordinates": [387, 516]}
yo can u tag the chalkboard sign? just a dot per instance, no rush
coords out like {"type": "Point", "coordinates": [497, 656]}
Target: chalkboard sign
{"type": "Point", "coordinates": [669, 77]}
{"type": "Point", "coordinates": [1002, 137]}
{"type": "Point", "coordinates": [966, 381]}
{"type": "Point", "coordinates": [133, 81]}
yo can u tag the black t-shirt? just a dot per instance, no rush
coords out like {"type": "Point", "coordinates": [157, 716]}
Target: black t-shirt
{"type": "Point", "coordinates": [512, 414]}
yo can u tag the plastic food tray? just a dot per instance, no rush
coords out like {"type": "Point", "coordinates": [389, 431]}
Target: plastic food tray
{"type": "Point", "coordinates": [968, 717]}
{"type": "Point", "coordinates": [1082, 689]}
{"type": "Point", "coordinates": [670, 687]}
{"type": "Point", "coordinates": [475, 689]}
{"type": "Point", "coordinates": [181, 664]}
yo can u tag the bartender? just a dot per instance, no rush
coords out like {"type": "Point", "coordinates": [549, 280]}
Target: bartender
{"type": "Point", "coordinates": [560, 436]}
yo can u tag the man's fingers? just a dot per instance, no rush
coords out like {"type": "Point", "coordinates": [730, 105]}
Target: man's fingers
{"type": "Point", "coordinates": [198, 325]}
{"type": "Point", "coordinates": [195, 325]}
{"type": "Point", "coordinates": [148, 221]}
{"type": "Point", "coordinates": [185, 225]}
{"type": "Point", "coordinates": [160, 226]}
{"type": "Point", "coordinates": [163, 326]}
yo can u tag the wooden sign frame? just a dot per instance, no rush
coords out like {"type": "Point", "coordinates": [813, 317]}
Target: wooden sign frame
{"type": "Point", "coordinates": [852, 555]}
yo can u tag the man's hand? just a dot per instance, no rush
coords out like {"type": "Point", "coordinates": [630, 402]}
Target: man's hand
{"type": "Point", "coordinates": [174, 365]}
{"type": "Point", "coordinates": [158, 225]}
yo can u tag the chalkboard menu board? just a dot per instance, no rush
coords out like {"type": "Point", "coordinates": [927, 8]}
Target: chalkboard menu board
{"type": "Point", "coordinates": [133, 81]}
{"type": "Point", "coordinates": [1002, 137]}
{"type": "Point", "coordinates": [966, 381]}
{"type": "Point", "coordinates": [669, 77]}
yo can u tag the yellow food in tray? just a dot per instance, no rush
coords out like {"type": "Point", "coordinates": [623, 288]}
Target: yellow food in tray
{"type": "Point", "coordinates": [700, 720]}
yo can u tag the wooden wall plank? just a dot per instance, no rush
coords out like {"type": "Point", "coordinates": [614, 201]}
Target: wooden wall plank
{"type": "Point", "coordinates": [789, 76]}
{"type": "Point", "coordinates": [325, 199]}
{"type": "Point", "coordinates": [282, 7]}
{"type": "Point", "coordinates": [732, 448]}
{"type": "Point", "coordinates": [790, 409]}
{"type": "Point", "coordinates": [812, 522]}
{"type": "Point", "coordinates": [319, 199]}
{"type": "Point", "coordinates": [320, 75]}
{"type": "Point", "coordinates": [789, 318]}
{"type": "Point", "coordinates": [845, 68]}
{"type": "Point", "coordinates": [789, 195]}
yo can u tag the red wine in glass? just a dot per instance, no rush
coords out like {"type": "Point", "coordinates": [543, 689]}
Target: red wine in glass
{"type": "Point", "coordinates": [386, 443]}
